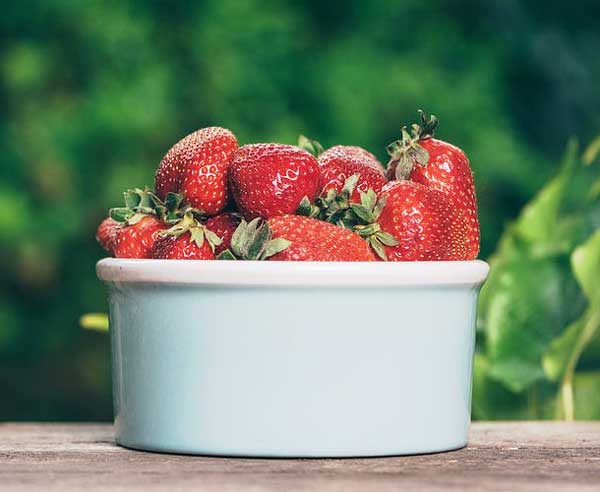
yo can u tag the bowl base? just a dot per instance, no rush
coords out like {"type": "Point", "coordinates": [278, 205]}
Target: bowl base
{"type": "Point", "coordinates": [283, 454]}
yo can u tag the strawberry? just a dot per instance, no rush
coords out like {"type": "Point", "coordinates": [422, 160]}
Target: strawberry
{"type": "Point", "coordinates": [295, 238]}
{"type": "Point", "coordinates": [346, 173]}
{"type": "Point", "coordinates": [340, 162]}
{"type": "Point", "coordinates": [187, 239]}
{"type": "Point", "coordinates": [272, 179]}
{"type": "Point", "coordinates": [412, 222]}
{"type": "Point", "coordinates": [197, 166]}
{"type": "Point", "coordinates": [439, 166]}
{"type": "Point", "coordinates": [107, 232]}
{"type": "Point", "coordinates": [139, 221]}
{"type": "Point", "coordinates": [223, 225]}
{"type": "Point", "coordinates": [315, 240]}
{"type": "Point", "coordinates": [136, 239]}
{"type": "Point", "coordinates": [181, 248]}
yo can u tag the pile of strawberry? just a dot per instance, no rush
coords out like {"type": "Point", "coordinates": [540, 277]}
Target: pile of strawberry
{"type": "Point", "coordinates": [215, 200]}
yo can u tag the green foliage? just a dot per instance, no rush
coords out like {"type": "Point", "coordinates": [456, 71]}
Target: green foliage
{"type": "Point", "coordinates": [540, 310]}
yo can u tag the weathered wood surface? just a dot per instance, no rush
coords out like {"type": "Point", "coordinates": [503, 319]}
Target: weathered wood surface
{"type": "Point", "coordinates": [501, 456]}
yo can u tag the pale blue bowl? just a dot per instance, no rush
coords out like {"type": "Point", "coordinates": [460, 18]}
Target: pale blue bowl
{"type": "Point", "coordinates": [292, 359]}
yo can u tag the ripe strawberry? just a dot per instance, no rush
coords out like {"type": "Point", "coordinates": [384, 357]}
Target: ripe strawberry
{"type": "Point", "coordinates": [181, 248]}
{"type": "Point", "coordinates": [315, 240]}
{"type": "Point", "coordinates": [136, 240]}
{"type": "Point", "coordinates": [272, 179]}
{"type": "Point", "coordinates": [422, 223]}
{"type": "Point", "coordinates": [187, 239]}
{"type": "Point", "coordinates": [340, 162]}
{"type": "Point", "coordinates": [197, 166]}
{"type": "Point", "coordinates": [223, 225]}
{"type": "Point", "coordinates": [439, 166]}
{"type": "Point", "coordinates": [107, 232]}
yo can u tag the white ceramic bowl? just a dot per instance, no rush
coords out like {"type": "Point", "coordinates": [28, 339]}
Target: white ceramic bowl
{"type": "Point", "coordinates": [292, 359]}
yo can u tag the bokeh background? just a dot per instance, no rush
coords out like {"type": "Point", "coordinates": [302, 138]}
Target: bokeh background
{"type": "Point", "coordinates": [93, 93]}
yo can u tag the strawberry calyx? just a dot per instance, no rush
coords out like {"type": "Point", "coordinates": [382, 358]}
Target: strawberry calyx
{"type": "Point", "coordinates": [253, 241]}
{"type": "Point", "coordinates": [198, 231]}
{"type": "Point", "coordinates": [140, 203]}
{"type": "Point", "coordinates": [334, 207]}
{"type": "Point", "coordinates": [365, 217]}
{"type": "Point", "coordinates": [407, 151]}
{"type": "Point", "coordinates": [311, 146]}
{"type": "Point", "coordinates": [360, 218]}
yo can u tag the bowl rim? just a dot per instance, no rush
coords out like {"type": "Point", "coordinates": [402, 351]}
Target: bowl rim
{"type": "Point", "coordinates": [289, 273]}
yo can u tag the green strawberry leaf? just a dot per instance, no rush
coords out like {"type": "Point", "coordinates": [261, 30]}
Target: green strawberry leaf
{"type": "Point", "coordinates": [275, 246]}
{"type": "Point", "coordinates": [311, 146]}
{"type": "Point", "coordinates": [368, 200]}
{"type": "Point", "coordinates": [197, 235]}
{"type": "Point", "coordinates": [133, 198]}
{"type": "Point", "coordinates": [387, 239]}
{"type": "Point", "coordinates": [173, 201]}
{"type": "Point", "coordinates": [226, 255]}
{"type": "Point", "coordinates": [377, 247]}
{"type": "Point", "coordinates": [349, 185]}
{"type": "Point", "coordinates": [421, 156]}
{"type": "Point", "coordinates": [253, 241]}
{"type": "Point", "coordinates": [121, 214]}
{"type": "Point", "coordinates": [212, 238]}
{"type": "Point", "coordinates": [260, 237]}
{"type": "Point", "coordinates": [362, 213]}
{"type": "Point", "coordinates": [305, 207]}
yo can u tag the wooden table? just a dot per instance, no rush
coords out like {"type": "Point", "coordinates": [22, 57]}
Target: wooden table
{"type": "Point", "coordinates": [501, 456]}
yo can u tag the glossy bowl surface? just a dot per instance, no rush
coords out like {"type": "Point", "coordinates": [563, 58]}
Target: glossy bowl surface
{"type": "Point", "coordinates": [286, 359]}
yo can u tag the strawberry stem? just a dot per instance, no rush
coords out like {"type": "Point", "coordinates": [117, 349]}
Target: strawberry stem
{"type": "Point", "coordinates": [311, 146]}
{"type": "Point", "coordinates": [407, 151]}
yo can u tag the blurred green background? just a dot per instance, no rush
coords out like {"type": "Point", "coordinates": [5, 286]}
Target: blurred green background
{"type": "Point", "coordinates": [93, 94]}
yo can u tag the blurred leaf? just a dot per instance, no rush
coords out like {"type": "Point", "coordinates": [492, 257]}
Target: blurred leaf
{"type": "Point", "coordinates": [591, 152]}
{"type": "Point", "coordinates": [539, 223]}
{"type": "Point", "coordinates": [530, 305]}
{"type": "Point", "coordinates": [585, 262]}
{"type": "Point", "coordinates": [564, 353]}
{"type": "Point", "coordinates": [586, 389]}
{"type": "Point", "coordinates": [493, 401]}
{"type": "Point", "coordinates": [94, 321]}
{"type": "Point", "coordinates": [10, 326]}
{"type": "Point", "coordinates": [560, 353]}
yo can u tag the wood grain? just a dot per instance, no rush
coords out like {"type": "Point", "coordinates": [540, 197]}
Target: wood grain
{"type": "Point", "coordinates": [501, 456]}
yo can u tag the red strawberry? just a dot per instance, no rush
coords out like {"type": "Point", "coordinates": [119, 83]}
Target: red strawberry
{"type": "Point", "coordinates": [340, 162]}
{"type": "Point", "coordinates": [107, 232]}
{"type": "Point", "coordinates": [272, 179]}
{"type": "Point", "coordinates": [439, 166]}
{"type": "Point", "coordinates": [181, 248]}
{"type": "Point", "coordinates": [223, 225]}
{"type": "Point", "coordinates": [136, 240]}
{"type": "Point", "coordinates": [422, 223]}
{"type": "Point", "coordinates": [188, 239]}
{"type": "Point", "coordinates": [197, 166]}
{"type": "Point", "coordinates": [315, 240]}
